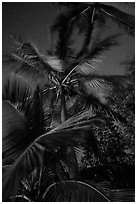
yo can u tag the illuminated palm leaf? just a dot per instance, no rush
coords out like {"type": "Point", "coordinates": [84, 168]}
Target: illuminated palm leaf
{"type": "Point", "coordinates": [101, 86]}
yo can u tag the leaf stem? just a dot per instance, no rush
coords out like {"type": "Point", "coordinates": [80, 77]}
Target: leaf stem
{"type": "Point", "coordinates": [69, 74]}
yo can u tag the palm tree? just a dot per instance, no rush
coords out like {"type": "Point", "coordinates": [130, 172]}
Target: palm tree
{"type": "Point", "coordinates": [68, 87]}
{"type": "Point", "coordinates": [70, 82]}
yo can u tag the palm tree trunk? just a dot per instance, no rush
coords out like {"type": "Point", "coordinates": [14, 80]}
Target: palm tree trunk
{"type": "Point", "coordinates": [73, 170]}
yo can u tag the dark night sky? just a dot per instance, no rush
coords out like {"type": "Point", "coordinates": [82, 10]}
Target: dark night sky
{"type": "Point", "coordinates": [28, 19]}
{"type": "Point", "coordinates": [32, 20]}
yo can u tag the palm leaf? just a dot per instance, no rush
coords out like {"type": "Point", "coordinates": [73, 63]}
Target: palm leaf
{"type": "Point", "coordinates": [88, 26]}
{"type": "Point", "coordinates": [125, 7]}
{"type": "Point", "coordinates": [30, 54]}
{"type": "Point", "coordinates": [117, 11]}
{"type": "Point", "coordinates": [64, 29]}
{"type": "Point", "coordinates": [20, 68]}
{"type": "Point", "coordinates": [79, 121]}
{"type": "Point", "coordinates": [14, 129]}
{"type": "Point", "coordinates": [31, 153]}
{"type": "Point", "coordinates": [87, 63]}
{"type": "Point", "coordinates": [34, 185]}
{"type": "Point", "coordinates": [121, 18]}
{"type": "Point", "coordinates": [29, 64]}
{"type": "Point", "coordinates": [16, 90]}
{"type": "Point", "coordinates": [101, 86]}
{"type": "Point", "coordinates": [104, 45]}
{"type": "Point", "coordinates": [89, 101]}
{"type": "Point", "coordinates": [102, 108]}
{"type": "Point", "coordinates": [54, 62]}
{"type": "Point", "coordinates": [73, 191]}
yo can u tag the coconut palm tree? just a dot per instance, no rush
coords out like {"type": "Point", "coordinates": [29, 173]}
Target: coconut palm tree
{"type": "Point", "coordinates": [60, 84]}
{"type": "Point", "coordinates": [69, 87]}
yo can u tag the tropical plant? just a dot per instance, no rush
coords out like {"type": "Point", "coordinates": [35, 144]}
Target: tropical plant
{"type": "Point", "coordinates": [116, 144]}
{"type": "Point", "coordinates": [73, 191]}
{"type": "Point", "coordinates": [53, 100]}
{"type": "Point", "coordinates": [69, 88]}
{"type": "Point", "coordinates": [28, 143]}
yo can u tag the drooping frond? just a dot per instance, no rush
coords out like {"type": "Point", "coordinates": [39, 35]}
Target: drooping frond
{"type": "Point", "coordinates": [86, 64]}
{"type": "Point", "coordinates": [102, 46]}
{"type": "Point", "coordinates": [123, 19]}
{"type": "Point", "coordinates": [102, 86]}
{"type": "Point", "coordinates": [16, 91]}
{"type": "Point", "coordinates": [18, 67]}
{"type": "Point", "coordinates": [125, 7]}
{"type": "Point", "coordinates": [83, 100]}
{"type": "Point", "coordinates": [34, 185]}
{"type": "Point", "coordinates": [88, 28]}
{"type": "Point", "coordinates": [73, 191]}
{"type": "Point", "coordinates": [14, 129]}
{"type": "Point", "coordinates": [122, 13]}
{"type": "Point", "coordinates": [64, 29]}
{"type": "Point", "coordinates": [32, 151]}
{"type": "Point", "coordinates": [32, 114]}
{"type": "Point", "coordinates": [102, 108]}
{"type": "Point", "coordinates": [30, 54]}
{"type": "Point", "coordinates": [26, 62]}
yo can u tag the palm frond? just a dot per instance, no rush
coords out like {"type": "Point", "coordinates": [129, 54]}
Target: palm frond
{"type": "Point", "coordinates": [29, 53]}
{"type": "Point", "coordinates": [120, 17]}
{"type": "Point", "coordinates": [122, 13]}
{"type": "Point", "coordinates": [35, 115]}
{"type": "Point", "coordinates": [104, 45]}
{"type": "Point", "coordinates": [98, 88]}
{"type": "Point", "coordinates": [102, 108]}
{"type": "Point", "coordinates": [19, 68]}
{"type": "Point", "coordinates": [26, 61]}
{"type": "Point", "coordinates": [88, 26]}
{"type": "Point", "coordinates": [87, 64]}
{"type": "Point", "coordinates": [82, 120]}
{"type": "Point", "coordinates": [16, 90]}
{"type": "Point", "coordinates": [34, 185]}
{"type": "Point", "coordinates": [32, 151]}
{"type": "Point", "coordinates": [125, 7]}
{"type": "Point", "coordinates": [54, 62]}
{"type": "Point", "coordinates": [73, 191]}
{"type": "Point", "coordinates": [101, 86]}
{"type": "Point", "coordinates": [14, 129]}
{"type": "Point", "coordinates": [64, 29]}
{"type": "Point", "coordinates": [89, 101]}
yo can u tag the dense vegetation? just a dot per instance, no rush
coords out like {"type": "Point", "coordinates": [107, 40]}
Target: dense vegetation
{"type": "Point", "coordinates": [117, 143]}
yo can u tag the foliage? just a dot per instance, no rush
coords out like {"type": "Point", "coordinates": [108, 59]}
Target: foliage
{"type": "Point", "coordinates": [26, 142]}
{"type": "Point", "coordinates": [51, 103]}
{"type": "Point", "coordinates": [117, 142]}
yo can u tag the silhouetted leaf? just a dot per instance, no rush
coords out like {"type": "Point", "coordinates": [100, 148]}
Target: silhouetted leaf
{"type": "Point", "coordinates": [73, 191]}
